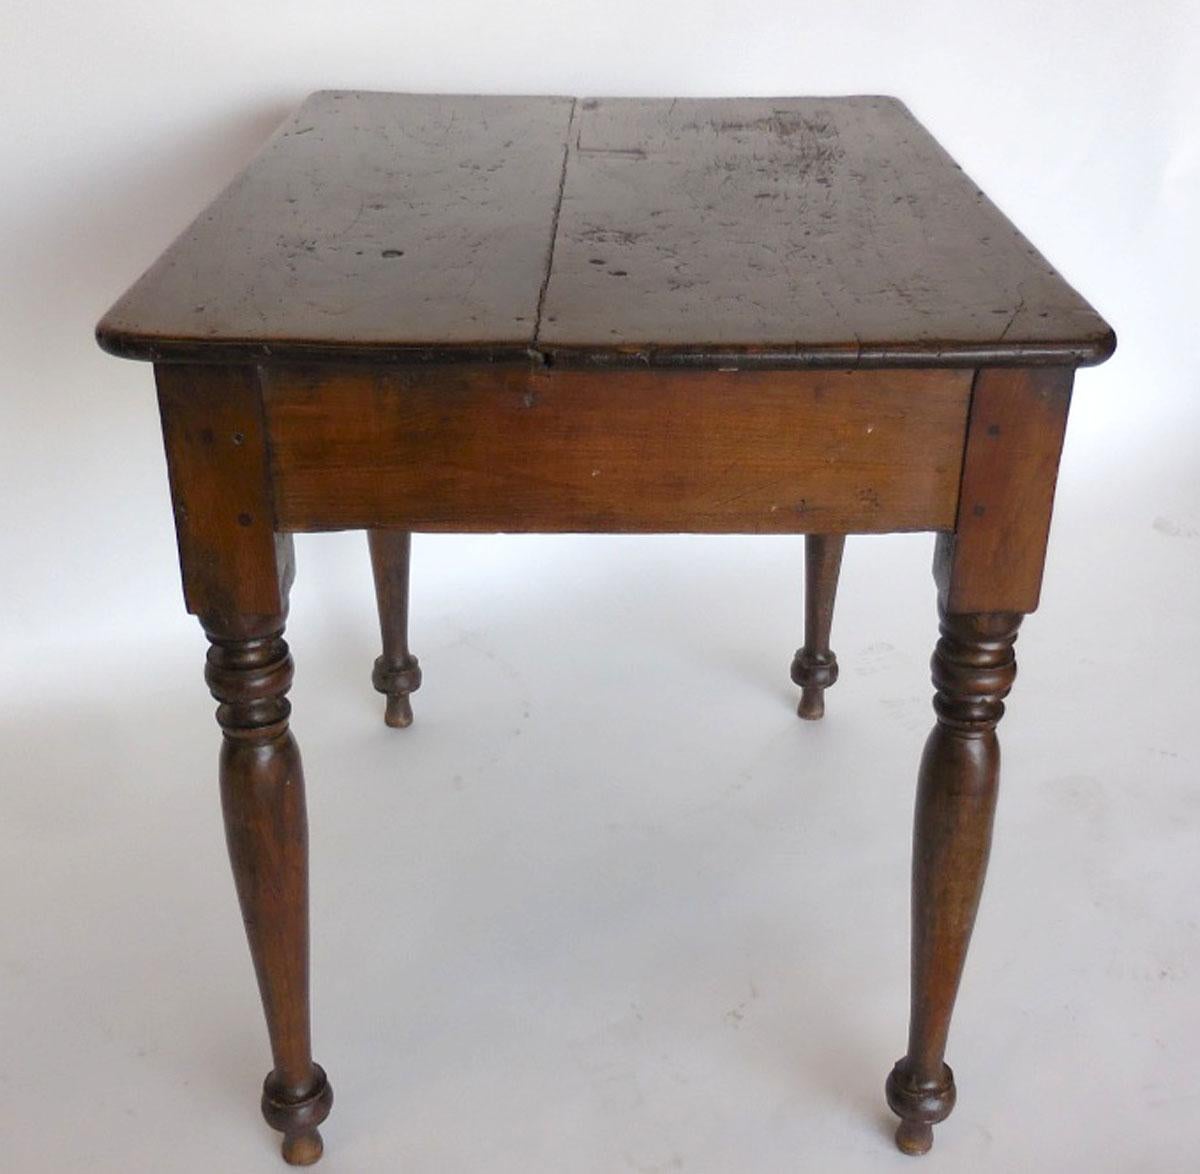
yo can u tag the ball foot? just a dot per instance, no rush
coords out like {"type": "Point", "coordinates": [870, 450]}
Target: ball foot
{"type": "Point", "coordinates": [303, 1149]}
{"type": "Point", "coordinates": [914, 1137]}
{"type": "Point", "coordinates": [920, 1102]}
{"type": "Point", "coordinates": [297, 1116]}
{"type": "Point", "coordinates": [396, 679]}
{"type": "Point", "coordinates": [812, 704]}
{"type": "Point", "coordinates": [398, 713]}
{"type": "Point", "coordinates": [814, 672]}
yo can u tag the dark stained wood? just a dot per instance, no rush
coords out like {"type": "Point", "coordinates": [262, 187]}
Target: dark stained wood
{"type": "Point", "coordinates": [396, 673]}
{"type": "Point", "coordinates": [535, 315]}
{"type": "Point", "coordinates": [485, 449]}
{"type": "Point", "coordinates": [369, 222]}
{"type": "Point", "coordinates": [266, 829]}
{"type": "Point", "coordinates": [815, 667]}
{"type": "Point", "coordinates": [993, 560]}
{"type": "Point", "coordinates": [989, 572]}
{"type": "Point", "coordinates": [973, 670]}
{"type": "Point", "coordinates": [801, 227]}
{"type": "Point", "coordinates": [775, 232]}
{"type": "Point", "coordinates": [235, 564]}
{"type": "Point", "coordinates": [236, 572]}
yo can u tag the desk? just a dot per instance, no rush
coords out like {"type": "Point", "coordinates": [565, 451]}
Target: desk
{"type": "Point", "coordinates": [791, 316]}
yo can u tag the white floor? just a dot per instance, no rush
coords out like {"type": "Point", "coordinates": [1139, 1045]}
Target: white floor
{"type": "Point", "coordinates": [608, 905]}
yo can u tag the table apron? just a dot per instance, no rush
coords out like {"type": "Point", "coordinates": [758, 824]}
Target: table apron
{"type": "Point", "coordinates": [526, 449]}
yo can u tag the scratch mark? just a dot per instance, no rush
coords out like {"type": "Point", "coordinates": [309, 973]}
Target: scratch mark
{"type": "Point", "coordinates": [1008, 324]}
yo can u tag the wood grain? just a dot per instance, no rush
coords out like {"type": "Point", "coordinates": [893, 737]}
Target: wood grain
{"type": "Point", "coordinates": [369, 221]}
{"type": "Point", "coordinates": [396, 673]}
{"type": "Point", "coordinates": [791, 227]}
{"type": "Point", "coordinates": [531, 314]}
{"type": "Point", "coordinates": [235, 565]}
{"type": "Point", "coordinates": [266, 832]}
{"type": "Point", "coordinates": [973, 671]}
{"type": "Point", "coordinates": [994, 559]}
{"type": "Point", "coordinates": [481, 449]}
{"type": "Point", "coordinates": [815, 665]}
{"type": "Point", "coordinates": [776, 232]}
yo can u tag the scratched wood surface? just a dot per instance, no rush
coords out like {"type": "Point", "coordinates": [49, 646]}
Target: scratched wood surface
{"type": "Point", "coordinates": [694, 232]}
{"type": "Point", "coordinates": [806, 226]}
{"type": "Point", "coordinates": [368, 220]}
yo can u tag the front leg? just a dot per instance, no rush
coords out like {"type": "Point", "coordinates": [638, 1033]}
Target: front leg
{"type": "Point", "coordinates": [237, 569]}
{"type": "Point", "coordinates": [989, 576]}
{"type": "Point", "coordinates": [266, 829]}
{"type": "Point", "coordinates": [973, 670]}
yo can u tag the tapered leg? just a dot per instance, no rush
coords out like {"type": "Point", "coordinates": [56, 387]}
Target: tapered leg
{"type": "Point", "coordinates": [262, 798]}
{"type": "Point", "coordinates": [973, 670]}
{"type": "Point", "coordinates": [814, 667]}
{"type": "Point", "coordinates": [396, 673]}
{"type": "Point", "coordinates": [237, 569]}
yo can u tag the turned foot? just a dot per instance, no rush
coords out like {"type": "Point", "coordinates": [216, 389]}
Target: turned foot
{"type": "Point", "coordinates": [266, 828]}
{"type": "Point", "coordinates": [396, 673]}
{"type": "Point", "coordinates": [304, 1149]}
{"type": "Point", "coordinates": [920, 1105]}
{"type": "Point", "coordinates": [297, 1118]}
{"type": "Point", "coordinates": [397, 711]}
{"type": "Point", "coordinates": [913, 1138]}
{"type": "Point", "coordinates": [396, 679]}
{"type": "Point", "coordinates": [973, 670]}
{"type": "Point", "coordinates": [814, 667]}
{"type": "Point", "coordinates": [814, 672]}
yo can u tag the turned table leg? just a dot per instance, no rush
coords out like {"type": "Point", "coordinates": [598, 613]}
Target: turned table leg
{"type": "Point", "coordinates": [262, 799]}
{"type": "Point", "coordinates": [973, 670]}
{"type": "Point", "coordinates": [396, 673]}
{"type": "Point", "coordinates": [814, 667]}
{"type": "Point", "coordinates": [237, 570]}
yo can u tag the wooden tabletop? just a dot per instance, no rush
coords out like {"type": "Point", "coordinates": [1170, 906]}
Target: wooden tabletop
{"type": "Point", "coordinates": [771, 232]}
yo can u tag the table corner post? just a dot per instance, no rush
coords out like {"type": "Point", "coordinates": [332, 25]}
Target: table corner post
{"type": "Point", "coordinates": [988, 573]}
{"type": "Point", "coordinates": [237, 572]}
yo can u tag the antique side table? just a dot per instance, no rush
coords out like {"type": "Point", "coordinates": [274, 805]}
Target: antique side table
{"type": "Point", "coordinates": [792, 316]}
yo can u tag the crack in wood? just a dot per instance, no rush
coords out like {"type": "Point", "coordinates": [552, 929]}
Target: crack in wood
{"type": "Point", "coordinates": [562, 183]}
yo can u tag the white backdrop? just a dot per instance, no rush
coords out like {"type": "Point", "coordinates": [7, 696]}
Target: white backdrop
{"type": "Point", "coordinates": [126, 994]}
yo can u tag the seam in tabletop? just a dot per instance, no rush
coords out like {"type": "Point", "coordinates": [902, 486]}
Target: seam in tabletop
{"type": "Point", "coordinates": [534, 347]}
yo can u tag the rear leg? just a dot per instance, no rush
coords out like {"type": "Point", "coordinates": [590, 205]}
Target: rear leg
{"type": "Point", "coordinates": [396, 672]}
{"type": "Point", "coordinates": [814, 667]}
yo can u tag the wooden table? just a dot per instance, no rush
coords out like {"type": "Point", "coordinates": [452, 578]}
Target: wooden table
{"type": "Point", "coordinates": [792, 316]}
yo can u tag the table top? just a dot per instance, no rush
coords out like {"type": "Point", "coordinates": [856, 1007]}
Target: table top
{"type": "Point", "coordinates": [772, 232]}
